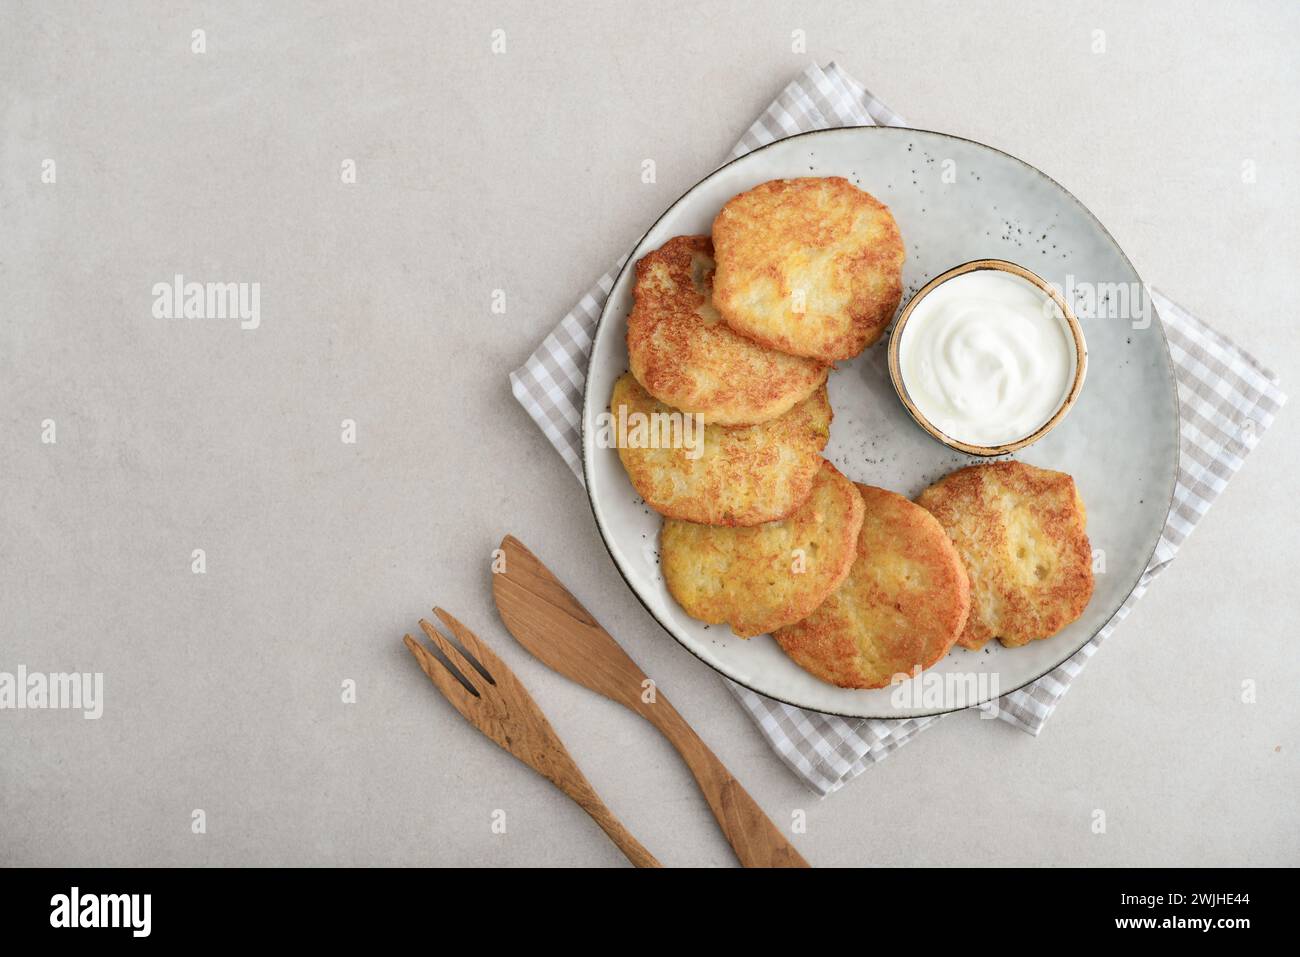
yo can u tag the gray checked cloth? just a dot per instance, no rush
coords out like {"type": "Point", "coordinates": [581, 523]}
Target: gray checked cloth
{"type": "Point", "coordinates": [1227, 399]}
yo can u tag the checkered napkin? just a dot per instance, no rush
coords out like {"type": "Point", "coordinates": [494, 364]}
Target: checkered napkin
{"type": "Point", "coordinates": [1227, 400]}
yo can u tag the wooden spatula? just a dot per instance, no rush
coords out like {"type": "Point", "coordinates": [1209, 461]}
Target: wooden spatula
{"type": "Point", "coordinates": [554, 627]}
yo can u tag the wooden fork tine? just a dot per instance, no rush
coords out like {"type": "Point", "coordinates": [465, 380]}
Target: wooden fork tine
{"type": "Point", "coordinates": [508, 715]}
{"type": "Point", "coordinates": [455, 655]}
{"type": "Point", "coordinates": [441, 677]}
{"type": "Point", "coordinates": [473, 644]}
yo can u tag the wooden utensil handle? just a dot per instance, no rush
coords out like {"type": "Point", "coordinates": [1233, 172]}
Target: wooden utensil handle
{"type": "Point", "coordinates": [561, 770]}
{"type": "Point", "coordinates": [620, 835]}
{"type": "Point", "coordinates": [751, 833]}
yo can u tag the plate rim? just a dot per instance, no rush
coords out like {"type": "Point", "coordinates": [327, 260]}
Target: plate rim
{"type": "Point", "coordinates": [630, 261]}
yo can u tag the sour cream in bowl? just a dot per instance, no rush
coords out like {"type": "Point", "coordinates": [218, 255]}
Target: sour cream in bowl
{"type": "Point", "coordinates": [987, 357]}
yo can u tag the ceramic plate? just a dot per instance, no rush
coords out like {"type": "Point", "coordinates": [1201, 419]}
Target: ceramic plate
{"type": "Point", "coordinates": [955, 201]}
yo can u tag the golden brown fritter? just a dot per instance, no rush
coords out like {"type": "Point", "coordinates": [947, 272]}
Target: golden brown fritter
{"type": "Point", "coordinates": [766, 576]}
{"type": "Point", "coordinates": [901, 608]}
{"type": "Point", "coordinates": [685, 355]}
{"type": "Point", "coordinates": [812, 266]}
{"type": "Point", "coordinates": [744, 475]}
{"type": "Point", "coordinates": [1021, 533]}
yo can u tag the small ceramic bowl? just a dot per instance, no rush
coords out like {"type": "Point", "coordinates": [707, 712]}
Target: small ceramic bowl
{"type": "Point", "coordinates": [1076, 337]}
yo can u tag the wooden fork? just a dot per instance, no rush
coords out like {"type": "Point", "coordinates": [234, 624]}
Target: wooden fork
{"type": "Point", "coordinates": [501, 707]}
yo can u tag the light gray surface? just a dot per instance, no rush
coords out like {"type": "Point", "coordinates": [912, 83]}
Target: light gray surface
{"type": "Point", "coordinates": [521, 172]}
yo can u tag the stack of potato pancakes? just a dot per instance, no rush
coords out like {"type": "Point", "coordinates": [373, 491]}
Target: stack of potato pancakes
{"type": "Point", "coordinates": [857, 584]}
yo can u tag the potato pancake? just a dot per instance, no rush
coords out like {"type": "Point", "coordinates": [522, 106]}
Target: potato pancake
{"type": "Point", "coordinates": [685, 355]}
{"type": "Point", "coordinates": [899, 611]}
{"type": "Point", "coordinates": [1021, 533]}
{"type": "Point", "coordinates": [766, 576]}
{"type": "Point", "coordinates": [742, 475]}
{"type": "Point", "coordinates": [812, 267]}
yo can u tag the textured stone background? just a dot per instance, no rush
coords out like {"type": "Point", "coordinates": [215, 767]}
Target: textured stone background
{"type": "Point", "coordinates": [521, 172]}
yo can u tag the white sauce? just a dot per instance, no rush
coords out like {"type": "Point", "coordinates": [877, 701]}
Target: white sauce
{"type": "Point", "coordinates": [987, 357]}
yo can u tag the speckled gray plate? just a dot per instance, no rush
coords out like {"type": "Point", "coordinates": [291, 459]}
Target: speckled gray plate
{"type": "Point", "coordinates": [955, 201]}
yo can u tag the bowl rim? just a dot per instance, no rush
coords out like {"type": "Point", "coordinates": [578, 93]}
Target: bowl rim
{"type": "Point", "coordinates": [1072, 323]}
